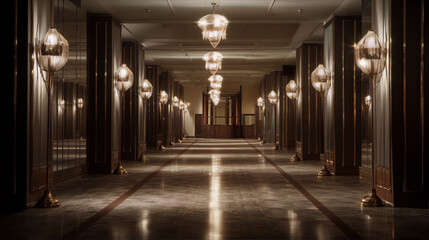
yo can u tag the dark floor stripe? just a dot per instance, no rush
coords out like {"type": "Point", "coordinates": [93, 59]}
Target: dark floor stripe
{"type": "Point", "coordinates": [350, 233]}
{"type": "Point", "coordinates": [103, 212]}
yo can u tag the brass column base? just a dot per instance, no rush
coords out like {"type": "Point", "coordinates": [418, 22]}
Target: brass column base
{"type": "Point", "coordinates": [161, 147]}
{"type": "Point", "coordinates": [180, 141]}
{"type": "Point", "coordinates": [372, 200]}
{"type": "Point", "coordinates": [294, 158]}
{"type": "Point", "coordinates": [324, 171]}
{"type": "Point", "coordinates": [120, 170]}
{"type": "Point", "coordinates": [47, 200]}
{"type": "Point", "coordinates": [145, 158]}
{"type": "Point", "coordinates": [276, 147]}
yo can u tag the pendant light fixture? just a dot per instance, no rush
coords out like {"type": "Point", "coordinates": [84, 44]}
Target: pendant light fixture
{"type": "Point", "coordinates": [216, 82]}
{"type": "Point", "coordinates": [213, 61]}
{"type": "Point", "coordinates": [213, 27]}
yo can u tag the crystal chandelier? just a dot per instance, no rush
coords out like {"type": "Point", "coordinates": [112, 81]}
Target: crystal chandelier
{"type": "Point", "coordinates": [213, 61]}
{"type": "Point", "coordinates": [292, 90]}
{"type": "Point", "coordinates": [124, 78]}
{"type": "Point", "coordinates": [146, 90]}
{"type": "Point", "coordinates": [370, 54]}
{"type": "Point", "coordinates": [214, 27]}
{"type": "Point", "coordinates": [216, 82]}
{"type": "Point", "coordinates": [321, 79]}
{"type": "Point", "coordinates": [215, 100]}
{"type": "Point", "coordinates": [272, 97]}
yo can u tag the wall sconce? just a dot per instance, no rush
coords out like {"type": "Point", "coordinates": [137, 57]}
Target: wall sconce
{"type": "Point", "coordinates": [181, 105]}
{"type": "Point", "coordinates": [80, 103]}
{"type": "Point", "coordinates": [146, 90]}
{"type": "Point", "coordinates": [368, 100]}
{"type": "Point", "coordinates": [175, 102]}
{"type": "Point", "coordinates": [371, 55]}
{"type": "Point", "coordinates": [272, 97]}
{"type": "Point", "coordinates": [163, 99]}
{"type": "Point", "coordinates": [321, 80]}
{"type": "Point", "coordinates": [260, 102]}
{"type": "Point", "coordinates": [292, 90]}
{"type": "Point", "coordinates": [62, 104]}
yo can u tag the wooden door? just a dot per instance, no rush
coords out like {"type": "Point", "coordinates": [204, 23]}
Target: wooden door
{"type": "Point", "coordinates": [198, 125]}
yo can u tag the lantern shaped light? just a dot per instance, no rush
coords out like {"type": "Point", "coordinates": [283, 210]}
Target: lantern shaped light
{"type": "Point", "coordinates": [260, 102]}
{"type": "Point", "coordinates": [175, 101]}
{"type": "Point", "coordinates": [213, 61]}
{"type": "Point", "coordinates": [80, 103]}
{"type": "Point", "coordinates": [272, 97]}
{"type": "Point", "coordinates": [124, 78]}
{"type": "Point", "coordinates": [368, 100]}
{"type": "Point", "coordinates": [370, 54]}
{"type": "Point", "coordinates": [163, 97]}
{"type": "Point", "coordinates": [321, 79]}
{"type": "Point", "coordinates": [145, 90]}
{"type": "Point", "coordinates": [213, 27]}
{"type": "Point", "coordinates": [181, 105]}
{"type": "Point", "coordinates": [292, 90]}
{"type": "Point", "coordinates": [53, 52]}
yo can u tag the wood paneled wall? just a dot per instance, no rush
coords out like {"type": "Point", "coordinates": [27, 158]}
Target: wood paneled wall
{"type": "Point", "coordinates": [153, 127]}
{"type": "Point", "coordinates": [409, 103]}
{"type": "Point", "coordinates": [273, 82]}
{"type": "Point", "coordinates": [103, 39]}
{"type": "Point", "coordinates": [130, 107]}
{"type": "Point", "coordinates": [288, 129]}
{"type": "Point", "coordinates": [343, 103]}
{"type": "Point", "coordinates": [309, 105]}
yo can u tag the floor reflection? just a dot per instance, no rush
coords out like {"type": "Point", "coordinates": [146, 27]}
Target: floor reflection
{"type": "Point", "coordinates": [215, 213]}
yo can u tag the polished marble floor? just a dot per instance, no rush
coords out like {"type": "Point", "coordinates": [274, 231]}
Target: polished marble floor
{"type": "Point", "coordinates": [215, 189]}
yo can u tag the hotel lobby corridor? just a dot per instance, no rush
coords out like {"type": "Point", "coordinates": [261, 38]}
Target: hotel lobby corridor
{"type": "Point", "coordinates": [215, 189]}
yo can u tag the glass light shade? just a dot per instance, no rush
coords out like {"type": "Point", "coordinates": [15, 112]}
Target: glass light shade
{"type": "Point", "coordinates": [213, 61]}
{"type": "Point", "coordinates": [124, 78]}
{"type": "Point", "coordinates": [213, 27]}
{"type": "Point", "coordinates": [370, 54]}
{"type": "Point", "coordinates": [215, 78]}
{"type": "Point", "coordinates": [62, 104]}
{"type": "Point", "coordinates": [260, 102]}
{"type": "Point", "coordinates": [368, 100]}
{"type": "Point", "coordinates": [175, 101]}
{"type": "Point", "coordinates": [187, 104]}
{"type": "Point", "coordinates": [80, 103]}
{"type": "Point", "coordinates": [292, 90]}
{"type": "Point", "coordinates": [321, 79]}
{"type": "Point", "coordinates": [163, 97]}
{"type": "Point", "coordinates": [53, 51]}
{"type": "Point", "coordinates": [214, 93]}
{"type": "Point", "coordinates": [181, 105]}
{"type": "Point", "coordinates": [215, 99]}
{"type": "Point", "coordinates": [146, 89]}
{"type": "Point", "coordinates": [272, 97]}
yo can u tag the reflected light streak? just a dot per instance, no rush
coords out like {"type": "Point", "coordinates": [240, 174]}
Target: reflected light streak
{"type": "Point", "coordinates": [215, 214]}
{"type": "Point", "coordinates": [144, 224]}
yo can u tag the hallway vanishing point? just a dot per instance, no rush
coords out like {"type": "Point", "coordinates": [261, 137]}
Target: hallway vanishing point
{"type": "Point", "coordinates": [215, 189]}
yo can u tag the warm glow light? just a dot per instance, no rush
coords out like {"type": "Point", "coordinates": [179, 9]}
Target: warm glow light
{"type": "Point", "coordinates": [163, 97]}
{"type": "Point", "coordinates": [181, 105]}
{"type": "Point", "coordinates": [146, 89]}
{"type": "Point", "coordinates": [292, 90]}
{"type": "Point", "coordinates": [175, 101]}
{"type": "Point", "coordinates": [370, 54]}
{"type": "Point", "coordinates": [62, 104]}
{"type": "Point", "coordinates": [80, 103]}
{"type": "Point", "coordinates": [216, 82]}
{"type": "Point", "coordinates": [214, 92]}
{"type": "Point", "coordinates": [213, 27]}
{"type": "Point", "coordinates": [260, 102]}
{"type": "Point", "coordinates": [368, 100]}
{"type": "Point", "coordinates": [213, 61]}
{"type": "Point", "coordinates": [124, 78]}
{"type": "Point", "coordinates": [272, 97]}
{"type": "Point", "coordinates": [53, 51]}
{"type": "Point", "coordinates": [321, 79]}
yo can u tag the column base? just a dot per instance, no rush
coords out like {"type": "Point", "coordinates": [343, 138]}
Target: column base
{"type": "Point", "coordinates": [120, 170]}
{"type": "Point", "coordinates": [47, 200]}
{"type": "Point", "coordinates": [372, 200]}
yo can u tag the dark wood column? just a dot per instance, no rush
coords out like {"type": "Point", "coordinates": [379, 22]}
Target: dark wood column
{"type": "Point", "coordinates": [409, 91]}
{"type": "Point", "coordinates": [130, 120]}
{"type": "Point", "coordinates": [153, 127]}
{"type": "Point", "coordinates": [181, 120]}
{"type": "Point", "coordinates": [342, 105]}
{"type": "Point", "coordinates": [104, 51]}
{"type": "Point", "coordinates": [309, 143]}
{"type": "Point", "coordinates": [273, 82]}
{"type": "Point", "coordinates": [288, 110]}
{"type": "Point", "coordinates": [167, 84]}
{"type": "Point", "coordinates": [176, 114]}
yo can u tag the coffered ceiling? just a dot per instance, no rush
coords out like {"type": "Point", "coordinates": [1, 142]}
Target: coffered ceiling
{"type": "Point", "coordinates": [261, 37]}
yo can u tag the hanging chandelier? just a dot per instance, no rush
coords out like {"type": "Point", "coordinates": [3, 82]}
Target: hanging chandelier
{"type": "Point", "coordinates": [321, 79]}
{"type": "Point", "coordinates": [214, 27]}
{"type": "Point", "coordinates": [215, 100]}
{"type": "Point", "coordinates": [292, 90]}
{"type": "Point", "coordinates": [213, 61]}
{"type": "Point", "coordinates": [370, 55]}
{"type": "Point", "coordinates": [216, 82]}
